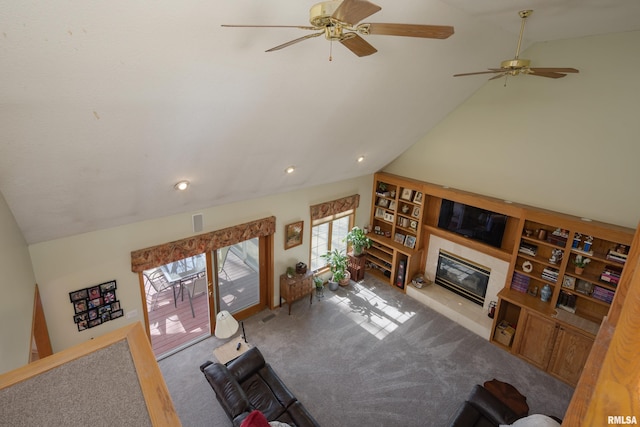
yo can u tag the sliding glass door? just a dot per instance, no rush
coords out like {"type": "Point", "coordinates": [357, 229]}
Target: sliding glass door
{"type": "Point", "coordinates": [238, 276]}
{"type": "Point", "coordinates": [177, 304]}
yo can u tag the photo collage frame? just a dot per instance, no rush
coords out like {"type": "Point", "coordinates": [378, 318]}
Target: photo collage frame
{"type": "Point", "coordinates": [95, 305]}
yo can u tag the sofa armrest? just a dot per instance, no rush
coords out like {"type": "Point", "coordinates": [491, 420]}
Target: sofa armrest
{"type": "Point", "coordinates": [231, 396]}
{"type": "Point", "coordinates": [300, 416]}
{"type": "Point", "coordinates": [246, 364]}
{"type": "Point", "coordinates": [490, 406]}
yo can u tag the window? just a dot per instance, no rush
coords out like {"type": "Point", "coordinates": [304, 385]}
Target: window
{"type": "Point", "coordinates": [328, 234]}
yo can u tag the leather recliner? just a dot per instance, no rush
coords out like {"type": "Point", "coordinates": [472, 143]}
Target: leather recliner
{"type": "Point", "coordinates": [483, 409]}
{"type": "Point", "coordinates": [249, 383]}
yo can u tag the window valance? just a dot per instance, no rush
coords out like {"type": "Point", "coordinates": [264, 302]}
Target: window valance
{"type": "Point", "coordinates": [155, 256]}
{"type": "Point", "coordinates": [334, 207]}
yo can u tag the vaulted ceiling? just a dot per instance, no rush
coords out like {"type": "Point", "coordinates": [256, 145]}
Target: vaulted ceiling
{"type": "Point", "coordinates": [104, 106]}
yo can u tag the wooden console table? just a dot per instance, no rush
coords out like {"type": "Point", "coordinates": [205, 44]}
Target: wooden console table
{"type": "Point", "coordinates": [296, 287]}
{"type": "Point", "coordinates": [356, 266]}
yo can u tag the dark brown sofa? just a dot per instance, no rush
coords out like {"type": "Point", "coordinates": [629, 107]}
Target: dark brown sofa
{"type": "Point", "coordinates": [249, 383]}
{"type": "Point", "coordinates": [483, 409]}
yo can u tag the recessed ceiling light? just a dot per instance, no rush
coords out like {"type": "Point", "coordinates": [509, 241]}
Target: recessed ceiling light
{"type": "Point", "coordinates": [290, 169]}
{"type": "Point", "coordinates": [181, 185]}
{"type": "Point", "coordinates": [360, 159]}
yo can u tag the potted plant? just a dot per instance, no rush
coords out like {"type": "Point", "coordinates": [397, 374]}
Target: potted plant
{"type": "Point", "coordinates": [291, 272]}
{"type": "Point", "coordinates": [358, 240]}
{"type": "Point", "coordinates": [338, 263]}
{"type": "Point", "coordinates": [319, 286]}
{"type": "Point", "coordinates": [580, 262]}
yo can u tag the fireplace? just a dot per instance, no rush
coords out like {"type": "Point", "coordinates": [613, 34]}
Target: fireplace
{"type": "Point", "coordinates": [462, 276]}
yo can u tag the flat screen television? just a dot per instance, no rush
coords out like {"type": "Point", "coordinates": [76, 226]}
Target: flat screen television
{"type": "Point", "coordinates": [475, 223]}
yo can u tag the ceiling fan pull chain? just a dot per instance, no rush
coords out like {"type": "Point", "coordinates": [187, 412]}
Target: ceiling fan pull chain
{"type": "Point", "coordinates": [330, 50]}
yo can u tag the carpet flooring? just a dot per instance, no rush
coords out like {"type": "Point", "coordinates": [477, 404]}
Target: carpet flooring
{"type": "Point", "coordinates": [368, 355]}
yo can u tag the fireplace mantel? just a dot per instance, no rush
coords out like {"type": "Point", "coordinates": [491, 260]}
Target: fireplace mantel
{"type": "Point", "coordinates": [459, 309]}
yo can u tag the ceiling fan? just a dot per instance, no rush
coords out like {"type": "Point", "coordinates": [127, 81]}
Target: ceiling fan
{"type": "Point", "coordinates": [338, 20]}
{"type": "Point", "coordinates": [516, 66]}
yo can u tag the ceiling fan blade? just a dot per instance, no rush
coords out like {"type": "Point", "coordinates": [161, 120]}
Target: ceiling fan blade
{"type": "Point", "coordinates": [301, 27]}
{"type": "Point", "coordinates": [547, 74]}
{"type": "Point", "coordinates": [498, 76]}
{"type": "Point", "coordinates": [554, 70]}
{"type": "Point", "coordinates": [298, 40]}
{"type": "Point", "coordinates": [358, 45]}
{"type": "Point", "coordinates": [412, 30]}
{"type": "Point", "coordinates": [479, 72]}
{"type": "Point", "coordinates": [354, 11]}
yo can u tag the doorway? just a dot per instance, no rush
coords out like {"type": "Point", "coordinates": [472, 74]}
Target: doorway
{"type": "Point", "coordinates": [177, 304]}
{"type": "Point", "coordinates": [183, 297]}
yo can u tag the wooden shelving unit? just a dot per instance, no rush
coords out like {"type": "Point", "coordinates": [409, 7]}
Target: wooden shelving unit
{"type": "Point", "coordinates": [557, 335]}
{"type": "Point", "coordinates": [564, 325]}
{"type": "Point", "coordinates": [397, 214]}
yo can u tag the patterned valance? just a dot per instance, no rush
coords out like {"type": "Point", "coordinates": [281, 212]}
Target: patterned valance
{"type": "Point", "coordinates": [334, 207]}
{"type": "Point", "coordinates": [155, 256]}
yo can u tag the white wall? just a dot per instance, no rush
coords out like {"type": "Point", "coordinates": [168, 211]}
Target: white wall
{"type": "Point", "coordinates": [570, 145]}
{"type": "Point", "coordinates": [17, 286]}
{"type": "Point", "coordinates": [76, 262]}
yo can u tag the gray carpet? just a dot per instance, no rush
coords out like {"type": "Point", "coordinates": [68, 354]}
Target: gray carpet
{"type": "Point", "coordinates": [366, 355]}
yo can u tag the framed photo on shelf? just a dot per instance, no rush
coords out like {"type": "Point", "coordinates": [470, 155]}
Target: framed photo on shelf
{"type": "Point", "coordinates": [410, 241]}
{"type": "Point", "coordinates": [569, 282]}
{"type": "Point", "coordinates": [383, 202]}
{"type": "Point", "coordinates": [418, 198]}
{"type": "Point", "coordinates": [392, 205]}
{"type": "Point", "coordinates": [293, 234]}
{"type": "Point", "coordinates": [379, 213]}
{"type": "Point", "coordinates": [416, 212]}
{"type": "Point", "coordinates": [584, 287]}
{"type": "Point", "coordinates": [388, 217]}
{"type": "Point", "coordinates": [406, 194]}
{"type": "Point", "coordinates": [399, 238]}
{"type": "Point", "coordinates": [413, 224]}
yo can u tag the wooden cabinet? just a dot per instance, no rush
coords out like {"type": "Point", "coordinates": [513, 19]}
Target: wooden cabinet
{"type": "Point", "coordinates": [397, 213]}
{"type": "Point", "coordinates": [296, 287]}
{"type": "Point", "coordinates": [556, 335]}
{"type": "Point", "coordinates": [546, 342]}
{"type": "Point", "coordinates": [535, 339]}
{"type": "Point", "coordinates": [570, 353]}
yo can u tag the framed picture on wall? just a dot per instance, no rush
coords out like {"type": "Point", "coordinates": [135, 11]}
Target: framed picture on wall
{"type": "Point", "coordinates": [293, 234]}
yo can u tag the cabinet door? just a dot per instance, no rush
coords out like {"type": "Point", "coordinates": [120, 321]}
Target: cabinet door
{"type": "Point", "coordinates": [536, 343]}
{"type": "Point", "coordinates": [569, 355]}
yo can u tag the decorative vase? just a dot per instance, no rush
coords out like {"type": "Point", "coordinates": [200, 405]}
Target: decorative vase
{"type": "Point", "coordinates": [545, 293]}
{"type": "Point", "coordinates": [358, 250]}
{"type": "Point", "coordinates": [346, 280]}
{"type": "Point", "coordinates": [333, 286]}
{"type": "Point", "coordinates": [579, 270]}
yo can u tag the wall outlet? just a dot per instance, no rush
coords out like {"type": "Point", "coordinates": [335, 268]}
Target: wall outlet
{"type": "Point", "coordinates": [131, 314]}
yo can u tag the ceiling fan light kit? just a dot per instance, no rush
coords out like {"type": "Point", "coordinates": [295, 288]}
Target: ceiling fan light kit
{"type": "Point", "coordinates": [517, 66]}
{"type": "Point", "coordinates": [338, 20]}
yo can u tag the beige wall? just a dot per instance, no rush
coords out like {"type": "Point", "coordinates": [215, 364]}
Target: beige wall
{"type": "Point", "coordinates": [570, 145]}
{"type": "Point", "coordinates": [64, 265]}
{"type": "Point", "coordinates": [17, 286]}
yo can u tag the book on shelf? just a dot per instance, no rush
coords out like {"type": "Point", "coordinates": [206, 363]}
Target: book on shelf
{"type": "Point", "coordinates": [528, 249]}
{"type": "Point", "coordinates": [603, 294]}
{"type": "Point", "coordinates": [550, 274]}
{"type": "Point", "coordinates": [567, 301]}
{"type": "Point", "coordinates": [520, 282]}
{"type": "Point", "coordinates": [617, 257]}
